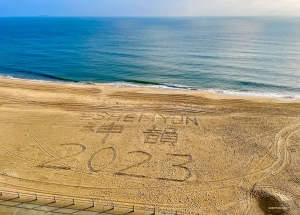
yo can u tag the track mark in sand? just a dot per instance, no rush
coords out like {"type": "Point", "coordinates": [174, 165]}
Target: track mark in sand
{"type": "Point", "coordinates": [37, 143]}
{"type": "Point", "coordinates": [46, 165]}
{"type": "Point", "coordinates": [282, 154]}
{"type": "Point", "coordinates": [281, 163]}
{"type": "Point", "coordinates": [294, 194]}
{"type": "Point", "coordinates": [294, 176]}
{"type": "Point", "coordinates": [56, 167]}
{"type": "Point", "coordinates": [33, 161]}
{"type": "Point", "coordinates": [256, 156]}
{"type": "Point", "coordinates": [43, 171]}
{"type": "Point", "coordinates": [47, 144]}
{"type": "Point", "coordinates": [284, 157]}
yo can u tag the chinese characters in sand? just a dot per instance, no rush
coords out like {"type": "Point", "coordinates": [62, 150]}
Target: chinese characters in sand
{"type": "Point", "coordinates": [160, 136]}
{"type": "Point", "coordinates": [109, 129]}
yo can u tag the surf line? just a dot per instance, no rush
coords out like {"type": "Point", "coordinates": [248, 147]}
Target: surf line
{"type": "Point", "coordinates": [142, 118]}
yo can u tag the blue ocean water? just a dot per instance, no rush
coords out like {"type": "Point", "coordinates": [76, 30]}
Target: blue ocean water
{"type": "Point", "coordinates": [233, 55]}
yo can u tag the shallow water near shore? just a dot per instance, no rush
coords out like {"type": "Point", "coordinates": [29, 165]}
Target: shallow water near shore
{"type": "Point", "coordinates": [241, 56]}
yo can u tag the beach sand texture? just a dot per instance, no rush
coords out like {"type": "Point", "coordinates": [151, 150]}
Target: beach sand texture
{"type": "Point", "coordinates": [190, 152]}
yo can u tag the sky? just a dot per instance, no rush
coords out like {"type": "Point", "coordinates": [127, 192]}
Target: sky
{"type": "Point", "coordinates": [149, 7]}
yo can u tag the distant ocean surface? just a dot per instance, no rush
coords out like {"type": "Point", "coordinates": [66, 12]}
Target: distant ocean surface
{"type": "Point", "coordinates": [242, 56]}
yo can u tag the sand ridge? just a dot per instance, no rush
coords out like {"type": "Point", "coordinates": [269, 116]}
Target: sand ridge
{"type": "Point", "coordinates": [190, 152]}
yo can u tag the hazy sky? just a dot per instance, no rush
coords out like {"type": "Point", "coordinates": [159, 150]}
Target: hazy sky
{"type": "Point", "coordinates": [149, 7]}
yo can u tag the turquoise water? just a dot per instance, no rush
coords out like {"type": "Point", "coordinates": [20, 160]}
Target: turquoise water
{"type": "Point", "coordinates": [246, 56]}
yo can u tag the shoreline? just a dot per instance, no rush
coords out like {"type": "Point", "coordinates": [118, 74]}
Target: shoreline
{"type": "Point", "coordinates": [209, 94]}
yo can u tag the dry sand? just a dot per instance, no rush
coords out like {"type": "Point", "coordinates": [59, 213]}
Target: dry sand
{"type": "Point", "coordinates": [191, 152]}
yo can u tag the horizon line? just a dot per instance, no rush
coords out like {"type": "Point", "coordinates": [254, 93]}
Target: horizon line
{"type": "Point", "coordinates": [208, 16]}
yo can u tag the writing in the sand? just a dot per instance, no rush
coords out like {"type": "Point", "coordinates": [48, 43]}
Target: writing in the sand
{"type": "Point", "coordinates": [136, 159]}
{"type": "Point", "coordinates": [108, 129]}
{"type": "Point", "coordinates": [140, 118]}
{"type": "Point", "coordinates": [161, 136]}
{"type": "Point", "coordinates": [153, 135]}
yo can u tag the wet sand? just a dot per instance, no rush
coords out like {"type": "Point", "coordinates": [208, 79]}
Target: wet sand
{"type": "Point", "coordinates": [190, 152]}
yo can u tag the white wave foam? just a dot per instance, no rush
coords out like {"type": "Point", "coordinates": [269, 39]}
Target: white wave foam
{"type": "Point", "coordinates": [285, 96]}
{"type": "Point", "coordinates": [256, 94]}
{"type": "Point", "coordinates": [24, 79]}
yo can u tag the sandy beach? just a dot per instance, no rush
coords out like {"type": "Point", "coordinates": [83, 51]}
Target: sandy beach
{"type": "Point", "coordinates": [190, 152]}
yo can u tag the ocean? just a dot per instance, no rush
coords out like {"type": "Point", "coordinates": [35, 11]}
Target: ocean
{"type": "Point", "coordinates": [255, 56]}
